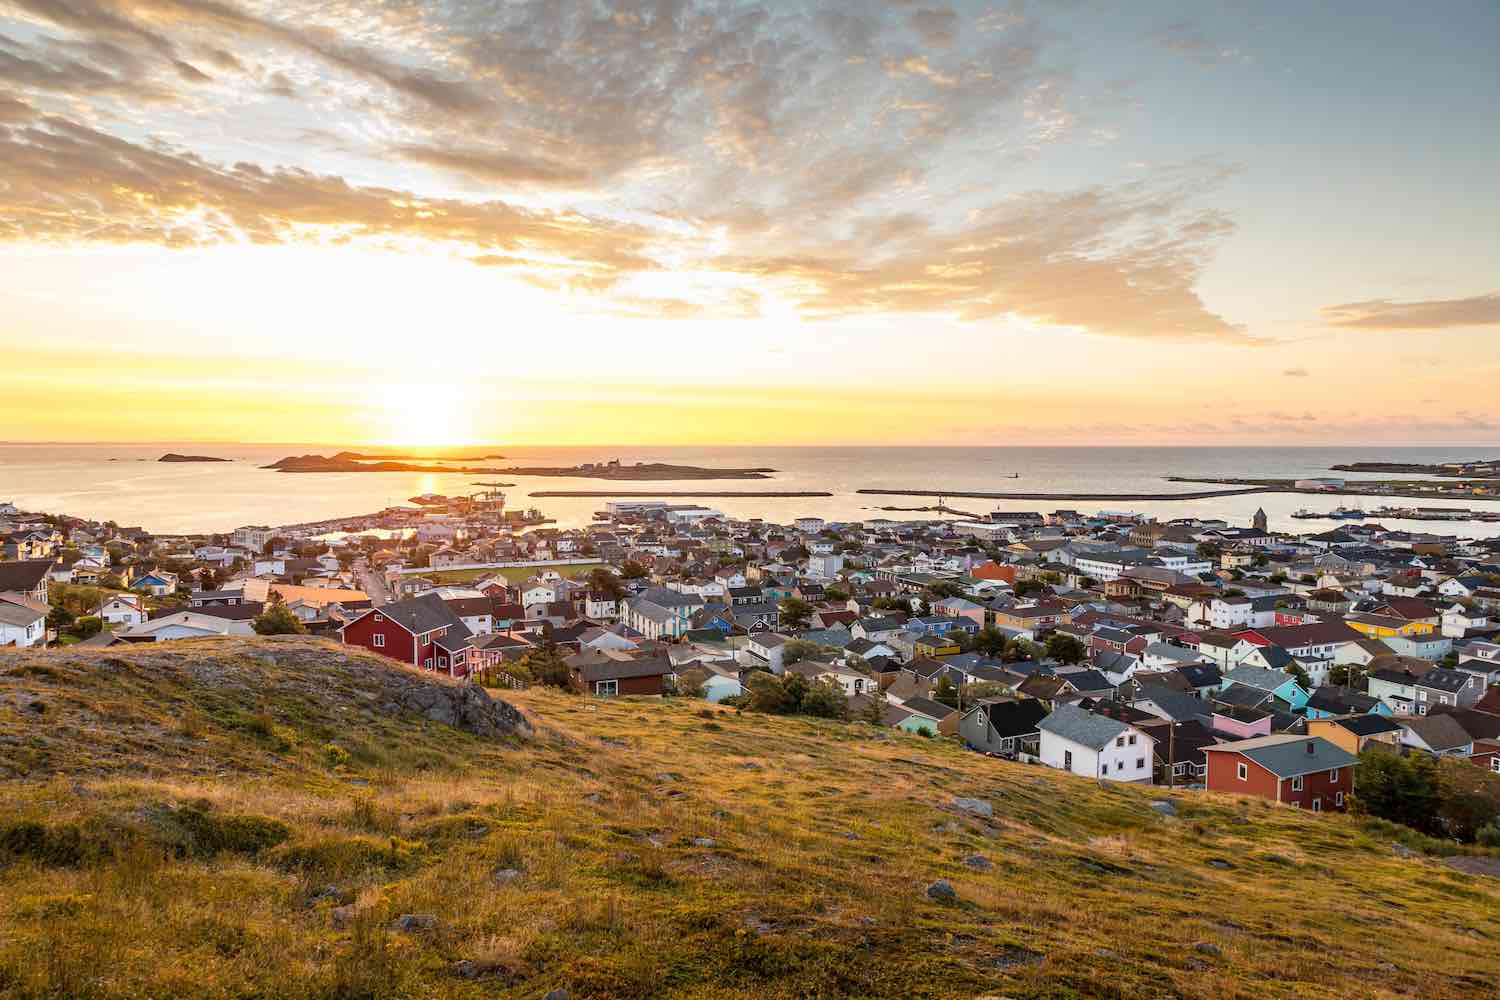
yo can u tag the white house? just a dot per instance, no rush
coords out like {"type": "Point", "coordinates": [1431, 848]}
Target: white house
{"type": "Point", "coordinates": [22, 625]}
{"type": "Point", "coordinates": [825, 567]}
{"type": "Point", "coordinates": [122, 609]}
{"type": "Point", "coordinates": [767, 649]}
{"type": "Point", "coordinates": [184, 625]}
{"type": "Point", "coordinates": [1095, 746]}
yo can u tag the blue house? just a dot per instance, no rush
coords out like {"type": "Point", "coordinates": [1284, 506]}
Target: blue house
{"type": "Point", "coordinates": [1283, 686]}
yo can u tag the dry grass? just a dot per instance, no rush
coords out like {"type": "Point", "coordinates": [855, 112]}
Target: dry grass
{"type": "Point", "coordinates": [823, 837]}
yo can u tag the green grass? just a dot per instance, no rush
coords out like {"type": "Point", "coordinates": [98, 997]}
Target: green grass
{"type": "Point", "coordinates": [173, 824]}
{"type": "Point", "coordinates": [515, 574]}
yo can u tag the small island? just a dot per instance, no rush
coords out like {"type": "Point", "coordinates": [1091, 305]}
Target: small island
{"type": "Point", "coordinates": [1479, 468]}
{"type": "Point", "coordinates": [174, 457]}
{"type": "Point", "coordinates": [346, 461]}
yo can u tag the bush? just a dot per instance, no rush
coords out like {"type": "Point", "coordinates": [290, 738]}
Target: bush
{"type": "Point", "coordinates": [1488, 836]}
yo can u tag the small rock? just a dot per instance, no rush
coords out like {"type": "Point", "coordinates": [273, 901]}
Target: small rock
{"type": "Point", "coordinates": [505, 876]}
{"type": "Point", "coordinates": [668, 776]}
{"type": "Point", "coordinates": [1164, 807]}
{"type": "Point", "coordinates": [704, 842]}
{"type": "Point", "coordinates": [466, 970]}
{"type": "Point", "coordinates": [1014, 956]}
{"type": "Point", "coordinates": [942, 891]}
{"type": "Point", "coordinates": [327, 892]}
{"type": "Point", "coordinates": [757, 925]}
{"type": "Point", "coordinates": [868, 921]}
{"type": "Point", "coordinates": [850, 835]}
{"type": "Point", "coordinates": [1196, 964]}
{"type": "Point", "coordinates": [1386, 966]}
{"type": "Point", "coordinates": [1106, 953]}
{"type": "Point", "coordinates": [1208, 948]}
{"type": "Point", "coordinates": [558, 995]}
{"type": "Point", "coordinates": [412, 922]}
{"type": "Point", "coordinates": [1219, 863]}
{"type": "Point", "coordinates": [979, 862]}
{"type": "Point", "coordinates": [977, 807]}
{"type": "Point", "coordinates": [342, 916]}
{"type": "Point", "coordinates": [1402, 851]}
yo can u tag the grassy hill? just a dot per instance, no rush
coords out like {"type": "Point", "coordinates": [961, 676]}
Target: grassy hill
{"type": "Point", "coordinates": [286, 819]}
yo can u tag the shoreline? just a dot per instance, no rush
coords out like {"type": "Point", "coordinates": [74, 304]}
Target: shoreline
{"type": "Point", "coordinates": [964, 495]}
{"type": "Point", "coordinates": [652, 494]}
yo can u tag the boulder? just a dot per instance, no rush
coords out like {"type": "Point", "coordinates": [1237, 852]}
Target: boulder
{"type": "Point", "coordinates": [942, 891]}
{"type": "Point", "coordinates": [412, 922]}
{"type": "Point", "coordinates": [1164, 807]}
{"type": "Point", "coordinates": [976, 807]}
{"type": "Point", "coordinates": [979, 862]}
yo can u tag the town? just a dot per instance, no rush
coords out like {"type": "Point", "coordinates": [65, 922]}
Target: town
{"type": "Point", "coordinates": [1194, 654]}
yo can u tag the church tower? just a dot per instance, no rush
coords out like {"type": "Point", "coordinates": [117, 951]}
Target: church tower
{"type": "Point", "coordinates": [1259, 521]}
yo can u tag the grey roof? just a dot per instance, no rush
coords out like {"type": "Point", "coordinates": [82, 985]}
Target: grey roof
{"type": "Point", "coordinates": [1177, 654]}
{"type": "Point", "coordinates": [24, 574]}
{"type": "Point", "coordinates": [19, 614]}
{"type": "Point", "coordinates": [416, 614]}
{"type": "Point", "coordinates": [928, 707]}
{"type": "Point", "coordinates": [614, 670]}
{"type": "Point", "coordinates": [1258, 677]}
{"type": "Point", "coordinates": [1287, 756]}
{"type": "Point", "coordinates": [1084, 728]}
{"type": "Point", "coordinates": [1450, 681]}
{"type": "Point", "coordinates": [1178, 706]}
{"type": "Point", "coordinates": [1439, 732]}
{"type": "Point", "coordinates": [1013, 718]}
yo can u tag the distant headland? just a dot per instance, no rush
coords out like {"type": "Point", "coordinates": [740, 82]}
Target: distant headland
{"type": "Point", "coordinates": [348, 461]}
{"type": "Point", "coordinates": [174, 457]}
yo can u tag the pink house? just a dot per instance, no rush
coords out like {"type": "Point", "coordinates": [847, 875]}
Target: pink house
{"type": "Point", "coordinates": [958, 607]}
{"type": "Point", "coordinates": [1241, 723]}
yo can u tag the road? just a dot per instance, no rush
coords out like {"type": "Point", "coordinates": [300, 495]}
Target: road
{"type": "Point", "coordinates": [371, 583]}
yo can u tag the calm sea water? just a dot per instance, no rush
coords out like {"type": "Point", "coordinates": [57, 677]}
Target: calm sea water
{"type": "Point", "coordinates": [126, 484]}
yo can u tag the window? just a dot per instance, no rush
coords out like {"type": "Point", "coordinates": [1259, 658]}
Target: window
{"type": "Point", "coordinates": [379, 641]}
{"type": "Point", "coordinates": [1297, 783]}
{"type": "Point", "coordinates": [1104, 768]}
{"type": "Point", "coordinates": [1132, 739]}
{"type": "Point", "coordinates": [378, 618]}
{"type": "Point", "coordinates": [606, 687]}
{"type": "Point", "coordinates": [1119, 741]}
{"type": "Point", "coordinates": [1317, 805]}
{"type": "Point", "coordinates": [1333, 775]}
{"type": "Point", "coordinates": [1495, 763]}
{"type": "Point", "coordinates": [1338, 799]}
{"type": "Point", "coordinates": [1242, 771]}
{"type": "Point", "coordinates": [1140, 762]}
{"type": "Point", "coordinates": [1067, 760]}
{"type": "Point", "coordinates": [1179, 769]}
{"type": "Point", "coordinates": [427, 663]}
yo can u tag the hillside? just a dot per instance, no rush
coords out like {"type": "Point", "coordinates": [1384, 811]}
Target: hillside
{"type": "Point", "coordinates": [287, 819]}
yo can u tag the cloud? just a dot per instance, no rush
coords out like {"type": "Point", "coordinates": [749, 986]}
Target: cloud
{"type": "Point", "coordinates": [1188, 40]}
{"type": "Point", "coordinates": [1429, 314]}
{"type": "Point", "coordinates": [1295, 373]}
{"type": "Point", "coordinates": [827, 153]}
{"type": "Point", "coordinates": [67, 182]}
{"type": "Point", "coordinates": [495, 165]}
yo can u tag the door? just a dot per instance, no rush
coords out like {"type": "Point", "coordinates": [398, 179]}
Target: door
{"type": "Point", "coordinates": [1067, 760]}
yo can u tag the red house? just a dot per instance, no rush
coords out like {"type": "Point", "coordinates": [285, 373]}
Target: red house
{"type": "Point", "coordinates": [1304, 771]}
{"type": "Point", "coordinates": [420, 631]}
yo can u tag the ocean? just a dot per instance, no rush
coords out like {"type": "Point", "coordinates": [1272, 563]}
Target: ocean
{"type": "Point", "coordinates": [125, 483]}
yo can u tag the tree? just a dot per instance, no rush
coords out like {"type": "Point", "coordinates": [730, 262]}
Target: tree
{"type": "Point", "coordinates": [605, 582]}
{"type": "Point", "coordinates": [632, 570]}
{"type": "Point", "coordinates": [945, 692]}
{"type": "Point", "coordinates": [891, 604]}
{"type": "Point", "coordinates": [544, 665]}
{"type": "Point", "coordinates": [277, 619]}
{"type": "Point", "coordinates": [874, 710]}
{"type": "Point", "coordinates": [795, 613]}
{"type": "Point", "coordinates": [59, 618]}
{"type": "Point", "coordinates": [1027, 588]}
{"type": "Point", "coordinates": [836, 594]}
{"type": "Point", "coordinates": [793, 694]}
{"type": "Point", "coordinates": [1066, 648]}
{"type": "Point", "coordinates": [1303, 681]}
{"type": "Point", "coordinates": [990, 641]}
{"type": "Point", "coordinates": [797, 650]}
{"type": "Point", "coordinates": [945, 588]}
{"type": "Point", "coordinates": [1208, 550]}
{"type": "Point", "coordinates": [87, 627]}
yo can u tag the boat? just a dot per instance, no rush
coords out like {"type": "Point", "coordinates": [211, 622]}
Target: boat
{"type": "Point", "coordinates": [1307, 515]}
{"type": "Point", "coordinates": [428, 500]}
{"type": "Point", "coordinates": [1347, 513]}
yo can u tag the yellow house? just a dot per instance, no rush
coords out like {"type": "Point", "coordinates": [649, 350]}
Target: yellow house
{"type": "Point", "coordinates": [1386, 626]}
{"type": "Point", "coordinates": [936, 645]}
{"type": "Point", "coordinates": [1355, 732]}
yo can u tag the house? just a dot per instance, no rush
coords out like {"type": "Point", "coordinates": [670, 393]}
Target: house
{"type": "Point", "coordinates": [420, 631]}
{"type": "Point", "coordinates": [660, 612]}
{"type": "Point", "coordinates": [27, 577]}
{"type": "Point", "coordinates": [1095, 746]}
{"type": "Point", "coordinates": [122, 609]}
{"type": "Point", "coordinates": [919, 715]}
{"type": "Point", "coordinates": [1274, 682]}
{"type": "Point", "coordinates": [185, 625]}
{"type": "Point", "coordinates": [1002, 726]}
{"type": "Point", "coordinates": [157, 582]}
{"type": "Point", "coordinates": [1352, 733]}
{"type": "Point", "coordinates": [23, 624]}
{"type": "Point", "coordinates": [1438, 734]}
{"type": "Point", "coordinates": [1326, 702]}
{"type": "Point", "coordinates": [609, 677]}
{"type": "Point", "coordinates": [767, 650]}
{"type": "Point", "coordinates": [934, 645]}
{"type": "Point", "coordinates": [1303, 771]}
{"type": "Point", "coordinates": [849, 680]}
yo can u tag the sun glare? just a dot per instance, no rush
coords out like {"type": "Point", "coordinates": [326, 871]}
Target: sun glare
{"type": "Point", "coordinates": [423, 416]}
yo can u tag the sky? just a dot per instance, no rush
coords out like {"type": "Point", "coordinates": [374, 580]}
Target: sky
{"type": "Point", "coordinates": [720, 222]}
